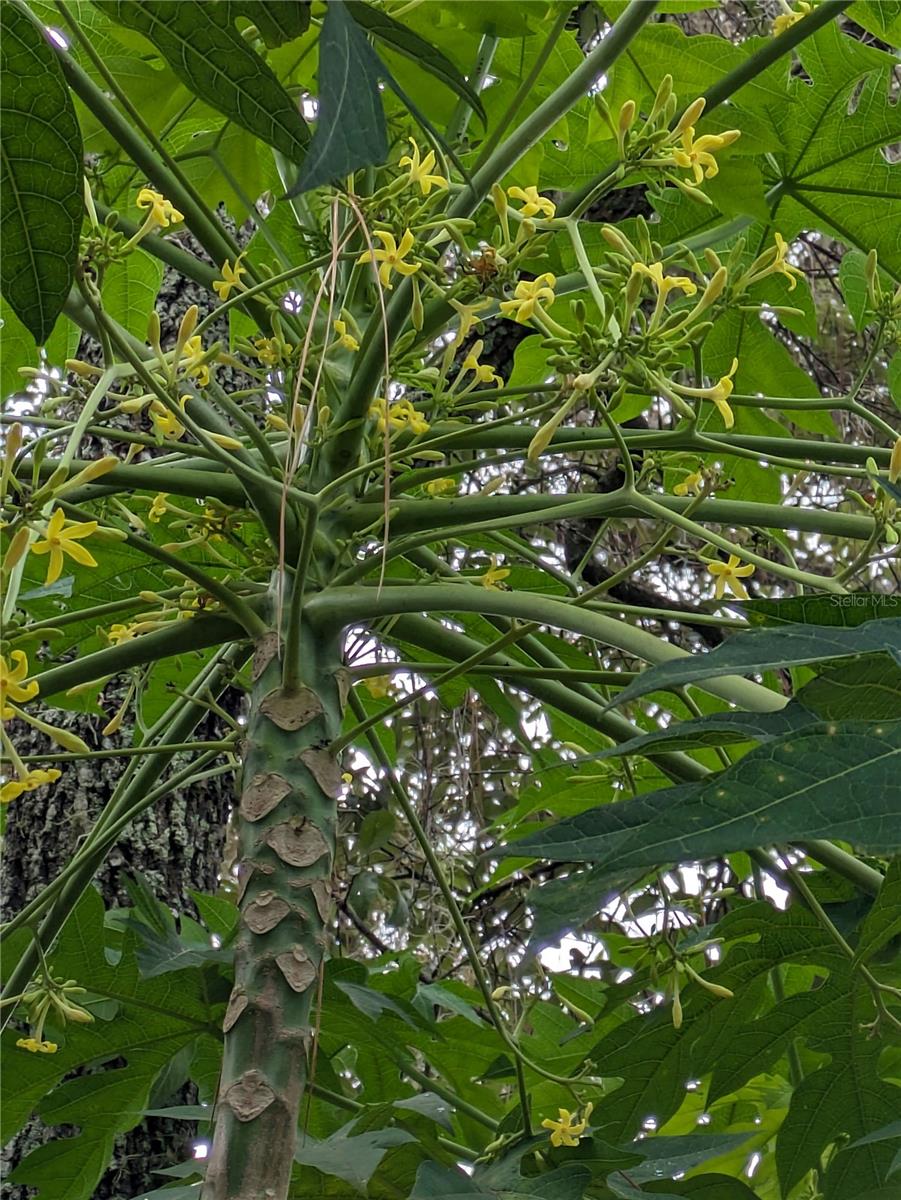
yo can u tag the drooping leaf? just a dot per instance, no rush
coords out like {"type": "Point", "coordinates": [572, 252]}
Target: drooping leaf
{"type": "Point", "coordinates": [763, 650]}
{"type": "Point", "coordinates": [351, 1157]}
{"type": "Point", "coordinates": [829, 781]}
{"type": "Point", "coordinates": [40, 176]}
{"type": "Point", "coordinates": [350, 128]}
{"type": "Point", "coordinates": [207, 53]}
{"type": "Point", "coordinates": [409, 43]}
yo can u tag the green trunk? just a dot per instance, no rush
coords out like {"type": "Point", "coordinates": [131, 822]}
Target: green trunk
{"type": "Point", "coordinates": [287, 843]}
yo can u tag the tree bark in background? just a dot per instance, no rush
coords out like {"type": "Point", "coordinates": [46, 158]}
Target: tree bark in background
{"type": "Point", "coordinates": [177, 845]}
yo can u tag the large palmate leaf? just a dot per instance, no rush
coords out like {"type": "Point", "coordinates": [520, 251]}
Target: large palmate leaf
{"type": "Point", "coordinates": [205, 50]}
{"type": "Point", "coordinates": [761, 650]}
{"type": "Point", "coordinates": [276, 21]}
{"type": "Point", "coordinates": [832, 173]}
{"type": "Point", "coordinates": [837, 780]}
{"type": "Point", "coordinates": [40, 176]}
{"type": "Point", "coordinates": [350, 130]}
{"type": "Point", "coordinates": [144, 1022]}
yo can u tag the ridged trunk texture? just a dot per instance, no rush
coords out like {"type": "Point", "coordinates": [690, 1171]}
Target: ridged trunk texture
{"type": "Point", "coordinates": [287, 822]}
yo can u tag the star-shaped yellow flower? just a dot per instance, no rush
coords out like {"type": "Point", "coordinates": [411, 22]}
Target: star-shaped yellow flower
{"type": "Point", "coordinates": [665, 283]}
{"type": "Point", "coordinates": [787, 19]}
{"type": "Point", "coordinates": [192, 360]}
{"type": "Point", "coordinates": [63, 539]}
{"type": "Point", "coordinates": [691, 483]}
{"type": "Point", "coordinates": [532, 202]}
{"type": "Point", "coordinates": [345, 339]}
{"type": "Point", "coordinates": [528, 296]}
{"type": "Point", "coordinates": [231, 278]}
{"type": "Point", "coordinates": [781, 267]}
{"type": "Point", "coordinates": [36, 1047]}
{"type": "Point", "coordinates": [11, 685]}
{"type": "Point", "coordinates": [158, 508]}
{"type": "Point", "coordinates": [401, 415]}
{"type": "Point", "coordinates": [484, 372]}
{"type": "Point", "coordinates": [421, 170]}
{"type": "Point", "coordinates": [729, 575]}
{"type": "Point", "coordinates": [569, 1128]}
{"type": "Point", "coordinates": [392, 256]}
{"type": "Point", "coordinates": [720, 393]}
{"type": "Point", "coordinates": [446, 486]}
{"type": "Point", "coordinates": [162, 213]}
{"type": "Point", "coordinates": [29, 782]}
{"type": "Point", "coordinates": [494, 574]}
{"type": "Point", "coordinates": [696, 155]}
{"type": "Point", "coordinates": [166, 423]}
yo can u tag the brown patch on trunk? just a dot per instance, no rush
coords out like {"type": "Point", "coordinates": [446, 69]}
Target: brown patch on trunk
{"type": "Point", "coordinates": [248, 1096]}
{"type": "Point", "coordinates": [291, 710]}
{"type": "Point", "coordinates": [299, 844]}
{"type": "Point", "coordinates": [266, 650]}
{"type": "Point", "coordinates": [323, 898]}
{"type": "Point", "coordinates": [265, 912]}
{"type": "Point", "coordinates": [237, 1002]}
{"type": "Point", "coordinates": [297, 969]}
{"type": "Point", "coordinates": [245, 873]}
{"type": "Point", "coordinates": [262, 795]}
{"type": "Point", "coordinates": [324, 769]}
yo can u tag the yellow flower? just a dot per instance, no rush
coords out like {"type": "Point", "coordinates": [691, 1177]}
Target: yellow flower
{"type": "Point", "coordinates": [442, 487]}
{"type": "Point", "coordinates": [420, 169]}
{"type": "Point", "coordinates": [569, 1128]}
{"type": "Point", "coordinates": [695, 155]}
{"type": "Point", "coordinates": [729, 575]}
{"type": "Point", "coordinates": [61, 540]}
{"type": "Point", "coordinates": [691, 483]}
{"type": "Point", "coordinates": [787, 19]}
{"type": "Point", "coordinates": [191, 360]}
{"type": "Point", "coordinates": [468, 317]}
{"type": "Point", "coordinates": [166, 423]}
{"type": "Point", "coordinates": [720, 394]}
{"type": "Point", "coordinates": [345, 339]}
{"type": "Point", "coordinates": [32, 780]}
{"type": "Point", "coordinates": [33, 1045]}
{"type": "Point", "coordinates": [162, 213]}
{"type": "Point", "coordinates": [532, 202]}
{"type": "Point", "coordinates": [494, 574]}
{"type": "Point", "coordinates": [529, 294]}
{"type": "Point", "coordinates": [484, 372]}
{"type": "Point", "coordinates": [11, 685]}
{"type": "Point", "coordinates": [378, 686]}
{"type": "Point", "coordinates": [665, 283]}
{"type": "Point", "coordinates": [231, 278]}
{"type": "Point", "coordinates": [401, 415]}
{"type": "Point", "coordinates": [271, 352]}
{"type": "Point", "coordinates": [781, 267]}
{"type": "Point", "coordinates": [159, 507]}
{"type": "Point", "coordinates": [120, 633]}
{"type": "Point", "coordinates": [392, 256]}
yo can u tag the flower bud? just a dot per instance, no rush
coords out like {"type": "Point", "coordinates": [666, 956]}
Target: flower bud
{"type": "Point", "coordinates": [691, 114]}
{"type": "Point", "coordinates": [16, 548]}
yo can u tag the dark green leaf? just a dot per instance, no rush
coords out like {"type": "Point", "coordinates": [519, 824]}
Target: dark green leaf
{"type": "Point", "coordinates": [405, 41]}
{"type": "Point", "coordinates": [277, 21]}
{"type": "Point", "coordinates": [845, 612]}
{"type": "Point", "coordinates": [434, 1182]}
{"type": "Point", "coordinates": [883, 922]}
{"type": "Point", "coordinates": [352, 1157]}
{"type": "Point", "coordinates": [831, 781]}
{"type": "Point", "coordinates": [705, 1187]}
{"type": "Point", "coordinates": [350, 128]}
{"type": "Point", "coordinates": [208, 54]}
{"type": "Point", "coordinates": [763, 650]}
{"type": "Point", "coordinates": [864, 689]}
{"type": "Point", "coordinates": [40, 176]}
{"type": "Point", "coordinates": [375, 831]}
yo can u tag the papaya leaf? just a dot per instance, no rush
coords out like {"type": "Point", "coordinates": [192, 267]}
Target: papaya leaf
{"type": "Point", "coordinates": [350, 130]}
{"type": "Point", "coordinates": [809, 784]}
{"type": "Point", "coordinates": [40, 176]}
{"type": "Point", "coordinates": [206, 52]}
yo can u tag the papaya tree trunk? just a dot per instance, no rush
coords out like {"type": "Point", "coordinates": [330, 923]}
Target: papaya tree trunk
{"type": "Point", "coordinates": [287, 821]}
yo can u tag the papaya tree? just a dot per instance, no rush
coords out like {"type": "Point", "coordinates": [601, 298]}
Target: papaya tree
{"type": "Point", "coordinates": [326, 494]}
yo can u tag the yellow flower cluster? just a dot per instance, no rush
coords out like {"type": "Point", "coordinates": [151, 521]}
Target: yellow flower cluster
{"type": "Point", "coordinates": [399, 416]}
{"type": "Point", "coordinates": [12, 686]}
{"type": "Point", "coordinates": [392, 256]}
{"type": "Point", "coordinates": [421, 170]}
{"type": "Point", "coordinates": [28, 782]}
{"type": "Point", "coordinates": [790, 17]}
